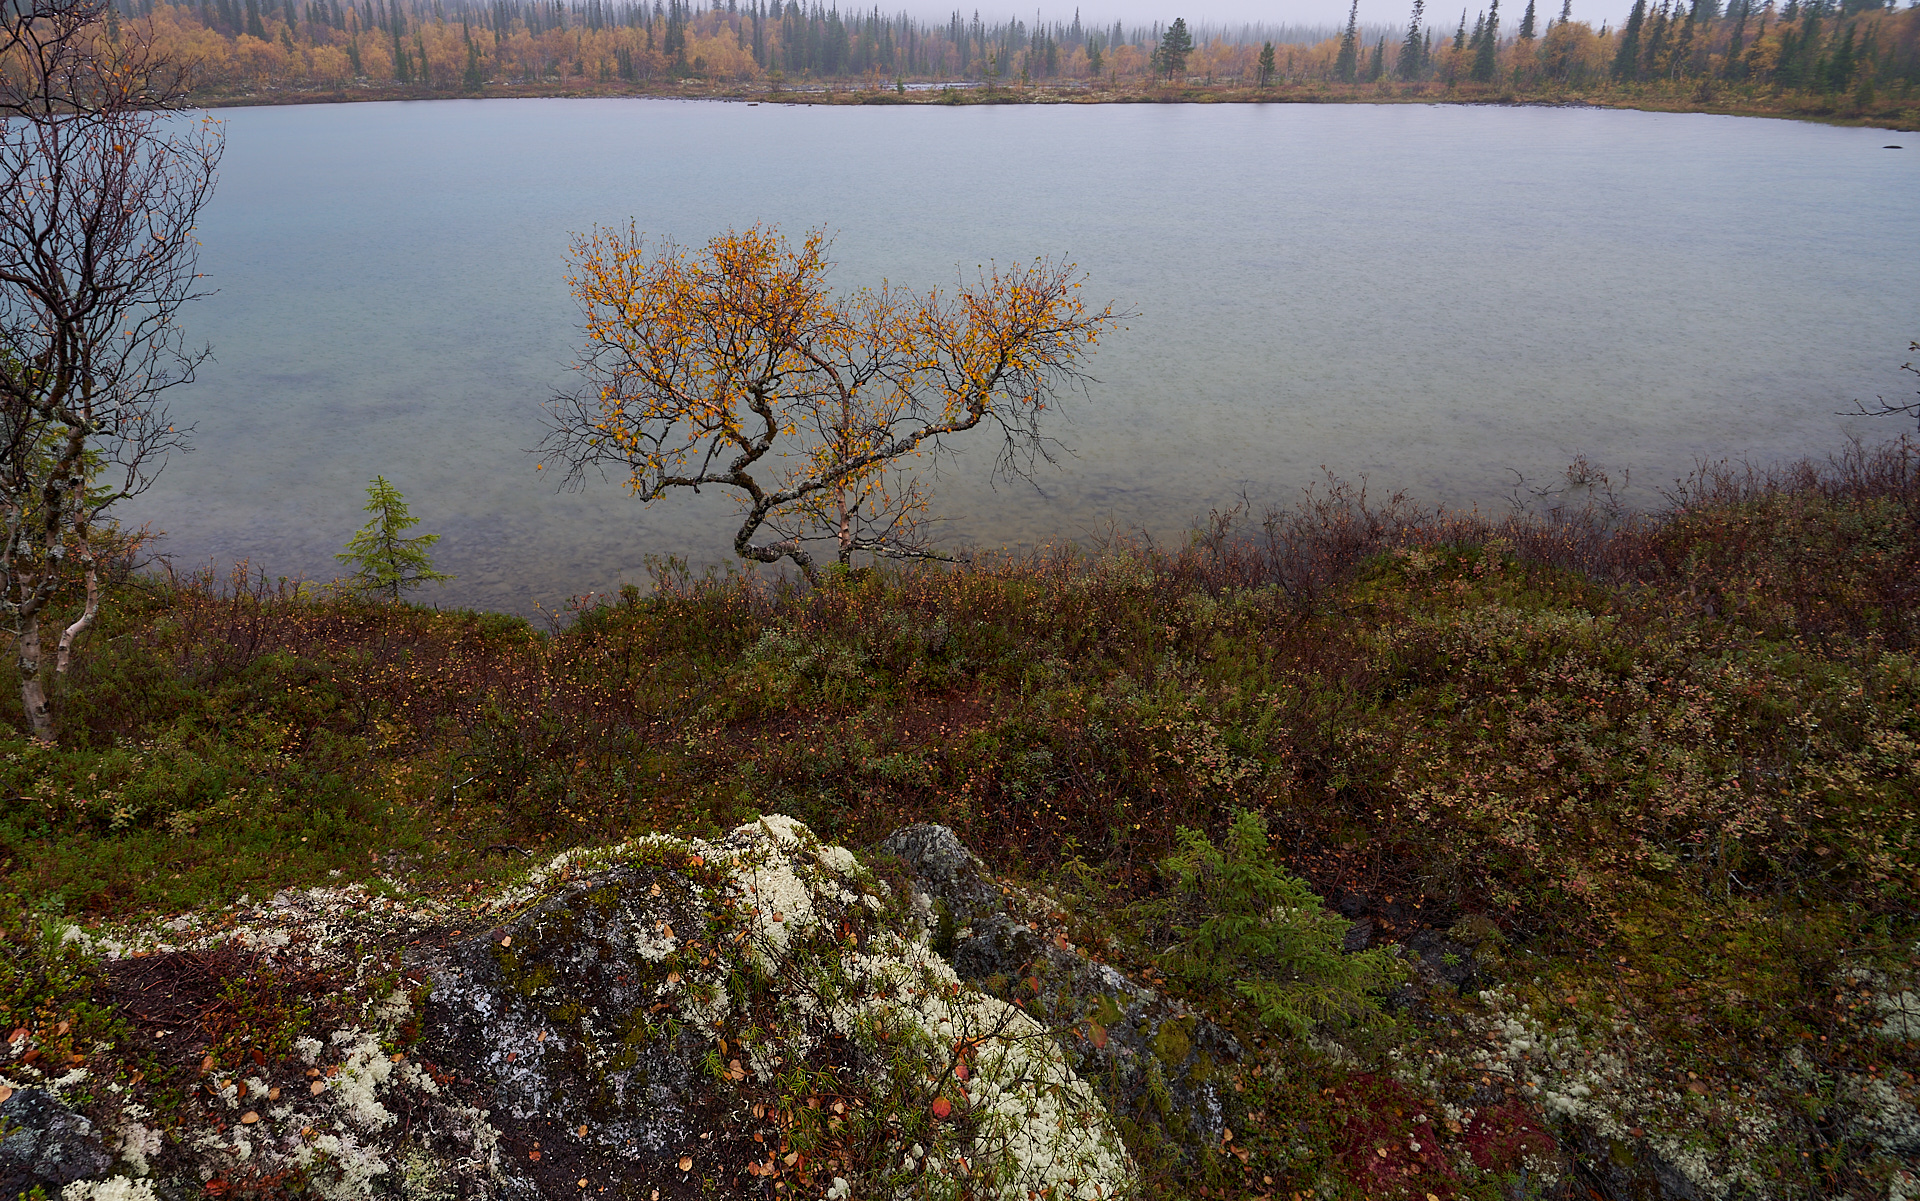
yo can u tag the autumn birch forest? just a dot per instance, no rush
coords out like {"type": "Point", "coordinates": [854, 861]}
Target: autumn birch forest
{"type": "Point", "coordinates": [1851, 60]}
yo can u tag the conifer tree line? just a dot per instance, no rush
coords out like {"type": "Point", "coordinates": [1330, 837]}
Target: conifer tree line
{"type": "Point", "coordinates": [470, 44]}
{"type": "Point", "coordinates": [1821, 46]}
{"type": "Point", "coordinates": [1856, 47]}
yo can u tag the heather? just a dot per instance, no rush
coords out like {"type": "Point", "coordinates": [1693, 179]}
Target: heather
{"type": "Point", "coordinates": [1644, 783]}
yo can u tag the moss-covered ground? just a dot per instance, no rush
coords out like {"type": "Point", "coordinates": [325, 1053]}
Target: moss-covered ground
{"type": "Point", "coordinates": [1661, 774]}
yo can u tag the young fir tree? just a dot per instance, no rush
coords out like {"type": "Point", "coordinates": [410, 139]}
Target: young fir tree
{"type": "Point", "coordinates": [1236, 923]}
{"type": "Point", "coordinates": [1377, 66]}
{"type": "Point", "coordinates": [1266, 63]}
{"type": "Point", "coordinates": [384, 561]}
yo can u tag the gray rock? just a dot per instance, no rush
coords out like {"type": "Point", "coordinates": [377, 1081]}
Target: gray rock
{"type": "Point", "coordinates": [1153, 1062]}
{"type": "Point", "coordinates": [952, 880]}
{"type": "Point", "coordinates": [45, 1144]}
{"type": "Point", "coordinates": [1442, 961]}
{"type": "Point", "coordinates": [550, 1013]}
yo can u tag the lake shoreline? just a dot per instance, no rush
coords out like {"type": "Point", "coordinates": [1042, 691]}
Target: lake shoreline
{"type": "Point", "coordinates": [1906, 120]}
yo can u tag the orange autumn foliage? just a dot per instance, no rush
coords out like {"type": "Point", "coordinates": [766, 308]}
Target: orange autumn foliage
{"type": "Point", "coordinates": [736, 367]}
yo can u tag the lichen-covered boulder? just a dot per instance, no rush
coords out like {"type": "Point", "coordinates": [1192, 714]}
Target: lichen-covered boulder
{"type": "Point", "coordinates": [1161, 1069]}
{"type": "Point", "coordinates": [753, 1012]}
{"type": "Point", "coordinates": [753, 1015]}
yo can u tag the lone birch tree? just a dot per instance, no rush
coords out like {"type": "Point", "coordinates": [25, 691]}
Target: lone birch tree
{"type": "Point", "coordinates": [735, 367]}
{"type": "Point", "coordinates": [101, 188]}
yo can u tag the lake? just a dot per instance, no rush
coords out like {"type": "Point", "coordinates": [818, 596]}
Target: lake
{"type": "Point", "coordinates": [1437, 297]}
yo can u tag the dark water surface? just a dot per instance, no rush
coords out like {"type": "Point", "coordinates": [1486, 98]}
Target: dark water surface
{"type": "Point", "coordinates": [1435, 296]}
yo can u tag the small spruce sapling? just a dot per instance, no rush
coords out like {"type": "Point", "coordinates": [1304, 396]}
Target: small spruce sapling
{"type": "Point", "coordinates": [385, 563]}
{"type": "Point", "coordinates": [1243, 925]}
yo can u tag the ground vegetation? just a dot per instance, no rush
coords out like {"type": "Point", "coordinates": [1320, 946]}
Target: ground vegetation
{"type": "Point", "coordinates": [1631, 800]}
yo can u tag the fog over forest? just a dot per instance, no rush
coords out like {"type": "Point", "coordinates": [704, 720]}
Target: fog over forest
{"type": "Point", "coordinates": [1296, 21]}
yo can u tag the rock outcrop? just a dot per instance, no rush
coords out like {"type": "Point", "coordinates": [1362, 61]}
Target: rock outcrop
{"type": "Point", "coordinates": [1161, 1068]}
{"type": "Point", "coordinates": [756, 1015]}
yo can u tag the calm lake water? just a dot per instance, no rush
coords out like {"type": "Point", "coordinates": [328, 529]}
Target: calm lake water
{"type": "Point", "coordinates": [1436, 297]}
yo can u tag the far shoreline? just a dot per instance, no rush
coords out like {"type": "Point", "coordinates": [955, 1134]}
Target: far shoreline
{"type": "Point", "coordinates": [971, 94]}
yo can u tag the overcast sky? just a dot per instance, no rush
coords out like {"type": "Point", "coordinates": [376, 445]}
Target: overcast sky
{"type": "Point", "coordinates": [1235, 12]}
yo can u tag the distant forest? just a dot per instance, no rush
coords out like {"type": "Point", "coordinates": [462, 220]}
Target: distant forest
{"type": "Point", "coordinates": [1850, 48]}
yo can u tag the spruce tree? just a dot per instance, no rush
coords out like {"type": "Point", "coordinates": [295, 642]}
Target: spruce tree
{"type": "Point", "coordinates": [384, 562]}
{"type": "Point", "coordinates": [1626, 59]}
{"type": "Point", "coordinates": [1658, 31]}
{"type": "Point", "coordinates": [1734, 64]}
{"type": "Point", "coordinates": [1684, 47]}
{"type": "Point", "coordinates": [1378, 66]}
{"type": "Point", "coordinates": [1347, 66]}
{"type": "Point", "coordinates": [1265, 67]}
{"type": "Point", "coordinates": [1839, 72]}
{"type": "Point", "coordinates": [1410, 56]}
{"type": "Point", "coordinates": [1484, 62]}
{"type": "Point", "coordinates": [1176, 45]}
{"type": "Point", "coordinates": [1526, 23]}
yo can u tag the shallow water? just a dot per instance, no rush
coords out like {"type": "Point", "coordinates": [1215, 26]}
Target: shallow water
{"type": "Point", "coordinates": [1436, 296]}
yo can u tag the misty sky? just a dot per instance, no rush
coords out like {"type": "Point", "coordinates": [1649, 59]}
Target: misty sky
{"type": "Point", "coordinates": [1330, 12]}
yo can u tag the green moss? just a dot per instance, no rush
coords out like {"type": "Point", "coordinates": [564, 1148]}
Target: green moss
{"type": "Point", "coordinates": [1173, 1041]}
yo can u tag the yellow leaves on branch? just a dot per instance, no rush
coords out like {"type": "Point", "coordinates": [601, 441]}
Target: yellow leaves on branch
{"type": "Point", "coordinates": [703, 362]}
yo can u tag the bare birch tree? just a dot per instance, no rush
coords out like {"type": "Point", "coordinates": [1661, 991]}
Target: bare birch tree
{"type": "Point", "coordinates": [101, 189]}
